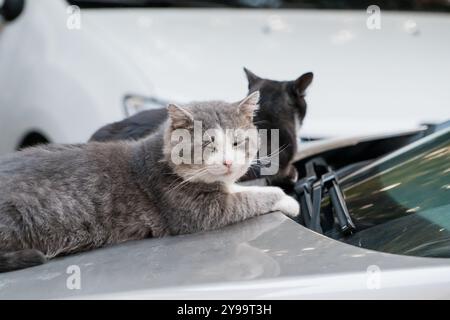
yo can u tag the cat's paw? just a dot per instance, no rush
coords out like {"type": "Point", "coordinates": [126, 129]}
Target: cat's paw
{"type": "Point", "coordinates": [268, 190]}
{"type": "Point", "coordinates": [288, 205]}
{"type": "Point", "coordinates": [274, 190]}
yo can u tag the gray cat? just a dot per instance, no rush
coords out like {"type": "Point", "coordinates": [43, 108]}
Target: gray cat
{"type": "Point", "coordinates": [61, 199]}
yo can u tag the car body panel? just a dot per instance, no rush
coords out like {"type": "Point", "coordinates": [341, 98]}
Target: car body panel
{"type": "Point", "coordinates": [310, 148]}
{"type": "Point", "coordinates": [364, 78]}
{"type": "Point", "coordinates": [266, 257]}
{"type": "Point", "coordinates": [69, 82]}
{"type": "Point", "coordinates": [59, 82]}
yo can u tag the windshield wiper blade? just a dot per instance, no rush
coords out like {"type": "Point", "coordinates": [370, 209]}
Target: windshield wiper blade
{"type": "Point", "coordinates": [330, 182]}
{"type": "Point", "coordinates": [303, 191]}
{"type": "Point", "coordinates": [309, 193]}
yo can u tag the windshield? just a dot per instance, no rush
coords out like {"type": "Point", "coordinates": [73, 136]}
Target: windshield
{"type": "Point", "coordinates": [415, 5]}
{"type": "Point", "coordinates": [401, 204]}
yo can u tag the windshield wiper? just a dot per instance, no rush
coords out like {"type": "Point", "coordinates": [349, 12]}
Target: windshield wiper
{"type": "Point", "coordinates": [310, 190]}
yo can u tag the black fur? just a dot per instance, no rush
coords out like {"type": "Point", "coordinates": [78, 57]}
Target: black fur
{"type": "Point", "coordinates": [135, 127]}
{"type": "Point", "coordinates": [280, 103]}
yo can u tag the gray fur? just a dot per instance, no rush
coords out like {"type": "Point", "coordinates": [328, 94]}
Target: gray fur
{"type": "Point", "coordinates": [60, 199]}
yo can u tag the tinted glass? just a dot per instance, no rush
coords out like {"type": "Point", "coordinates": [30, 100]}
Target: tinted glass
{"type": "Point", "coordinates": [402, 204]}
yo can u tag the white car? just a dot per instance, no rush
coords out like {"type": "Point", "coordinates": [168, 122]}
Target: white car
{"type": "Point", "coordinates": [64, 71]}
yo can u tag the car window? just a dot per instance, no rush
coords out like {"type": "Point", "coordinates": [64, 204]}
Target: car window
{"type": "Point", "coordinates": [402, 204]}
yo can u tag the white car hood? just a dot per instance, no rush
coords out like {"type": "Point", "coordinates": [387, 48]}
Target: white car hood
{"type": "Point", "coordinates": [366, 81]}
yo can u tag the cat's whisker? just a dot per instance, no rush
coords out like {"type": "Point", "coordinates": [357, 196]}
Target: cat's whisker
{"type": "Point", "coordinates": [196, 174]}
{"type": "Point", "coordinates": [274, 154]}
{"type": "Point", "coordinates": [185, 182]}
{"type": "Point", "coordinates": [181, 178]}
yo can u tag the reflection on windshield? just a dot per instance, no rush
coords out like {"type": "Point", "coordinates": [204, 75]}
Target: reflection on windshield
{"type": "Point", "coordinates": [415, 5]}
{"type": "Point", "coordinates": [413, 185]}
{"type": "Point", "coordinates": [425, 234]}
{"type": "Point", "coordinates": [402, 205]}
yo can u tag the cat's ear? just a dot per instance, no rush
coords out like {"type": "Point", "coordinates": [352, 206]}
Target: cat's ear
{"type": "Point", "coordinates": [251, 77]}
{"type": "Point", "coordinates": [249, 105]}
{"type": "Point", "coordinates": [303, 82]}
{"type": "Point", "coordinates": [179, 116]}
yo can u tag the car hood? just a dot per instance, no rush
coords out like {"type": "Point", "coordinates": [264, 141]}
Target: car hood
{"type": "Point", "coordinates": [266, 257]}
{"type": "Point", "coordinates": [366, 81]}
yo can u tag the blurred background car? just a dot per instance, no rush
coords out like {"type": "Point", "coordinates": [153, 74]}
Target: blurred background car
{"type": "Point", "coordinates": [69, 67]}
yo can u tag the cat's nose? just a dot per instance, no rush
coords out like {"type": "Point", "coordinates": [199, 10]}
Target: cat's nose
{"type": "Point", "coordinates": [227, 163]}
